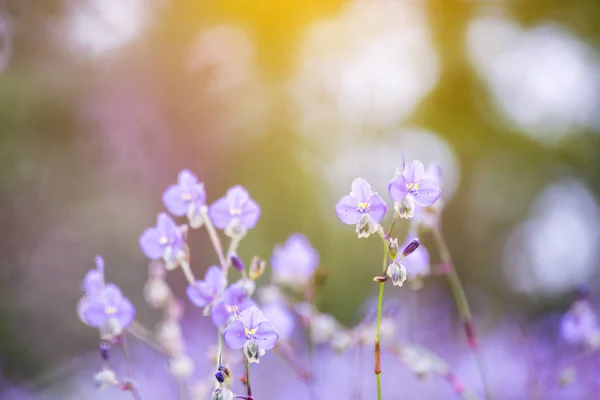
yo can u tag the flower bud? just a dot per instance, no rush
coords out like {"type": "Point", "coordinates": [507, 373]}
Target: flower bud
{"type": "Point", "coordinates": [393, 248]}
{"type": "Point", "coordinates": [406, 208]}
{"type": "Point", "coordinates": [253, 352]}
{"type": "Point", "coordinates": [105, 350]}
{"type": "Point", "coordinates": [366, 226]}
{"type": "Point", "coordinates": [222, 394]}
{"type": "Point", "coordinates": [411, 247]}
{"type": "Point", "coordinates": [397, 273]}
{"type": "Point", "coordinates": [105, 378]}
{"type": "Point", "coordinates": [111, 329]}
{"type": "Point", "coordinates": [181, 366]}
{"type": "Point", "coordinates": [237, 263]}
{"type": "Point", "coordinates": [156, 292]}
{"type": "Point", "coordinates": [257, 268]}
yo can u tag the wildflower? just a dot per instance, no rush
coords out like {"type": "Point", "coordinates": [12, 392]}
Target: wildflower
{"type": "Point", "coordinates": [323, 328]}
{"type": "Point", "coordinates": [429, 217]}
{"type": "Point", "coordinates": [165, 241]}
{"type": "Point", "coordinates": [235, 298]}
{"type": "Point", "coordinates": [237, 262]}
{"type": "Point", "coordinates": [156, 292]}
{"type": "Point", "coordinates": [411, 187]}
{"type": "Point", "coordinates": [235, 213]}
{"type": "Point", "coordinates": [107, 310]}
{"type": "Point", "coordinates": [93, 282]}
{"type": "Point", "coordinates": [294, 262]}
{"type": "Point", "coordinates": [252, 332]}
{"type": "Point", "coordinates": [362, 208]}
{"type": "Point", "coordinates": [187, 197]}
{"type": "Point", "coordinates": [257, 268]}
{"type": "Point", "coordinates": [580, 325]}
{"type": "Point", "coordinates": [206, 293]}
{"type": "Point", "coordinates": [281, 318]}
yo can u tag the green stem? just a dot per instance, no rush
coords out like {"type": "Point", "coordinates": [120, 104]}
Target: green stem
{"type": "Point", "coordinates": [249, 391]}
{"type": "Point", "coordinates": [464, 310]}
{"type": "Point", "coordinates": [378, 326]}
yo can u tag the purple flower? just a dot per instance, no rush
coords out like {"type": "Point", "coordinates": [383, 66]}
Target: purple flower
{"type": "Point", "coordinates": [362, 208]}
{"type": "Point", "coordinates": [580, 325]}
{"type": "Point", "coordinates": [281, 318]}
{"type": "Point", "coordinates": [235, 213]}
{"type": "Point", "coordinates": [163, 241]}
{"type": "Point", "coordinates": [252, 332]}
{"type": "Point", "coordinates": [235, 299]}
{"type": "Point", "coordinates": [413, 186]}
{"type": "Point", "coordinates": [107, 306]}
{"type": "Point", "coordinates": [207, 292]}
{"type": "Point", "coordinates": [187, 197]}
{"type": "Point", "coordinates": [295, 261]}
{"type": "Point", "coordinates": [93, 282]}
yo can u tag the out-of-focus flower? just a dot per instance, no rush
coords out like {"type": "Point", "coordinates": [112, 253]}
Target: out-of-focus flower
{"type": "Point", "coordinates": [252, 332]}
{"type": "Point", "coordinates": [187, 197]}
{"type": "Point", "coordinates": [294, 262]}
{"type": "Point", "coordinates": [207, 292]}
{"type": "Point", "coordinates": [362, 208]}
{"type": "Point", "coordinates": [93, 282]}
{"type": "Point", "coordinates": [580, 325]}
{"type": "Point", "coordinates": [156, 292]}
{"type": "Point", "coordinates": [257, 268]}
{"type": "Point", "coordinates": [281, 318]}
{"type": "Point", "coordinates": [235, 298]}
{"type": "Point", "coordinates": [323, 328]}
{"type": "Point", "coordinates": [105, 378]}
{"type": "Point", "coordinates": [164, 241]}
{"type": "Point", "coordinates": [412, 186]}
{"type": "Point", "coordinates": [235, 213]}
{"type": "Point", "coordinates": [107, 309]}
{"type": "Point", "coordinates": [181, 366]}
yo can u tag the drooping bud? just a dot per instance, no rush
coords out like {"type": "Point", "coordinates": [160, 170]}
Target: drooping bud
{"type": "Point", "coordinates": [397, 273]}
{"type": "Point", "coordinates": [257, 268]}
{"type": "Point", "coordinates": [156, 292]}
{"type": "Point", "coordinates": [411, 247]}
{"type": "Point", "coordinates": [105, 378]}
{"type": "Point", "coordinates": [366, 226]}
{"type": "Point", "coordinates": [237, 263]}
{"type": "Point", "coordinates": [406, 208]}
{"type": "Point", "coordinates": [253, 352]}
{"type": "Point", "coordinates": [393, 248]}
{"type": "Point", "coordinates": [222, 394]}
{"type": "Point", "coordinates": [105, 350]}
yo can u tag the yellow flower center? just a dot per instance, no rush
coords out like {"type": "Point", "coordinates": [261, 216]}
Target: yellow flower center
{"type": "Point", "coordinates": [163, 240]}
{"type": "Point", "coordinates": [187, 197]}
{"type": "Point", "coordinates": [249, 331]}
{"type": "Point", "coordinates": [413, 186]}
{"type": "Point", "coordinates": [110, 310]}
{"type": "Point", "coordinates": [363, 205]}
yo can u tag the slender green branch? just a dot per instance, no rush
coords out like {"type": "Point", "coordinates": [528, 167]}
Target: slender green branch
{"type": "Point", "coordinates": [248, 386]}
{"type": "Point", "coordinates": [463, 307]}
{"type": "Point", "coordinates": [378, 326]}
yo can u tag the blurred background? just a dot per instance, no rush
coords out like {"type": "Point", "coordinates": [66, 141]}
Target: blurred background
{"type": "Point", "coordinates": [102, 102]}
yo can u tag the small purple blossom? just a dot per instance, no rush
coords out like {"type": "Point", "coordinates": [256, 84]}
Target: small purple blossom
{"type": "Point", "coordinates": [281, 318]}
{"type": "Point", "coordinates": [363, 208]}
{"type": "Point", "coordinates": [236, 212]}
{"type": "Point", "coordinates": [580, 325]}
{"type": "Point", "coordinates": [187, 197]}
{"type": "Point", "coordinates": [295, 261]}
{"type": "Point", "coordinates": [108, 304]}
{"type": "Point", "coordinates": [235, 299]}
{"type": "Point", "coordinates": [93, 282]}
{"type": "Point", "coordinates": [413, 186]}
{"type": "Point", "coordinates": [163, 241]}
{"type": "Point", "coordinates": [252, 332]}
{"type": "Point", "coordinates": [208, 291]}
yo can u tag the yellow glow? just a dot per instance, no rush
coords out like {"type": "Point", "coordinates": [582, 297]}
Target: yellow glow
{"type": "Point", "coordinates": [163, 240]}
{"type": "Point", "coordinates": [414, 186]}
{"type": "Point", "coordinates": [110, 310]}
{"type": "Point", "coordinates": [250, 331]}
{"type": "Point", "coordinates": [362, 205]}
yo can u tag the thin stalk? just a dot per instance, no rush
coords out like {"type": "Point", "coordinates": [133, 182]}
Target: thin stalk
{"type": "Point", "coordinates": [142, 333]}
{"type": "Point", "coordinates": [214, 237]}
{"type": "Point", "coordinates": [248, 386]}
{"type": "Point", "coordinates": [231, 250]}
{"type": "Point", "coordinates": [187, 271]}
{"type": "Point", "coordinates": [378, 326]}
{"type": "Point", "coordinates": [464, 310]}
{"type": "Point", "coordinates": [130, 385]}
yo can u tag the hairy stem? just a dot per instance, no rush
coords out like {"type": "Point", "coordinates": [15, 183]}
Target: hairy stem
{"type": "Point", "coordinates": [463, 307]}
{"type": "Point", "coordinates": [214, 237]}
{"type": "Point", "coordinates": [187, 271]}
{"type": "Point", "coordinates": [378, 326]}
{"type": "Point", "coordinates": [130, 385]}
